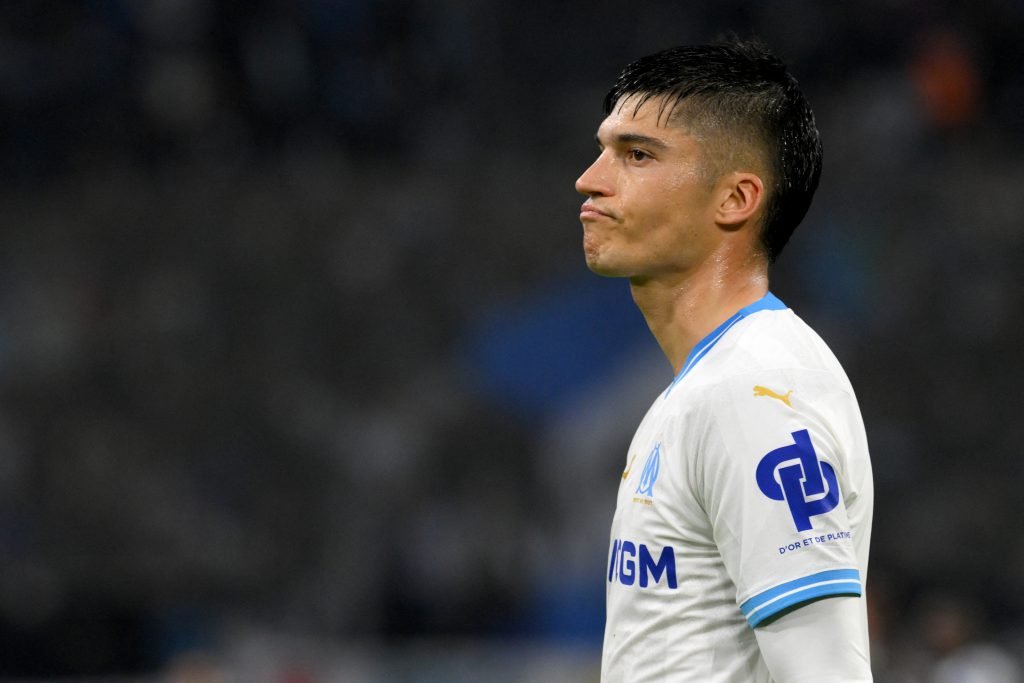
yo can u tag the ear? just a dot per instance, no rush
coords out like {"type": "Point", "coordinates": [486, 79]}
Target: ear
{"type": "Point", "coordinates": [742, 197]}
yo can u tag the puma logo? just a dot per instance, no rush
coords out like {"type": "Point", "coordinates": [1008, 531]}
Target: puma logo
{"type": "Point", "coordinates": [765, 391]}
{"type": "Point", "coordinates": [625, 472]}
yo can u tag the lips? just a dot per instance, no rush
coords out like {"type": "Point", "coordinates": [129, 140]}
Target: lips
{"type": "Point", "coordinates": [588, 210]}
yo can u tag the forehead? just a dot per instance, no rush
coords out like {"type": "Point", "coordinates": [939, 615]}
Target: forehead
{"type": "Point", "coordinates": [651, 117]}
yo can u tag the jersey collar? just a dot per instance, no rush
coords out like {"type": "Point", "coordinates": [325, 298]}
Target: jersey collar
{"type": "Point", "coordinates": [769, 302]}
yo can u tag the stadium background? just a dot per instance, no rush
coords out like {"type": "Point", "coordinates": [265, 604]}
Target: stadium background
{"type": "Point", "coordinates": [302, 377]}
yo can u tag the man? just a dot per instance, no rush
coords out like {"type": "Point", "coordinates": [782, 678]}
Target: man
{"type": "Point", "coordinates": [740, 541]}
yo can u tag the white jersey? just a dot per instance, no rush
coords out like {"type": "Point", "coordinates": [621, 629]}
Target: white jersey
{"type": "Point", "coordinates": [747, 492]}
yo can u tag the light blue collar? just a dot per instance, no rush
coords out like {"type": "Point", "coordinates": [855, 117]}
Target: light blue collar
{"type": "Point", "coordinates": [769, 302]}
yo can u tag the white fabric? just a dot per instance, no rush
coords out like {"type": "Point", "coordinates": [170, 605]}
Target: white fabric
{"type": "Point", "coordinates": [822, 642]}
{"type": "Point", "coordinates": [697, 540]}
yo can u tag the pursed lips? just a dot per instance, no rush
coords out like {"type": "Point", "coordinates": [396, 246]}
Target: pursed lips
{"type": "Point", "coordinates": [589, 211]}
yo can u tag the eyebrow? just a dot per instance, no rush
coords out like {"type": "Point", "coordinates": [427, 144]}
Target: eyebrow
{"type": "Point", "coordinates": [635, 139]}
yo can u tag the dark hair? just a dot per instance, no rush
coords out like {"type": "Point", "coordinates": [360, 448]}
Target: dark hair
{"type": "Point", "coordinates": [738, 91]}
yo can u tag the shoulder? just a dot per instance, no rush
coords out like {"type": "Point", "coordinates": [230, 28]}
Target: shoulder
{"type": "Point", "coordinates": [770, 372]}
{"type": "Point", "coordinates": [773, 344]}
{"type": "Point", "coordinates": [771, 377]}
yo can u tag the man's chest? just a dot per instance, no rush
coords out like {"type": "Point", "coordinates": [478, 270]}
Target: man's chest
{"type": "Point", "coordinates": [658, 517]}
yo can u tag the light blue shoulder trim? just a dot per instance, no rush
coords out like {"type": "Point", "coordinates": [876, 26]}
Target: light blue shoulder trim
{"type": "Point", "coordinates": [774, 600]}
{"type": "Point", "coordinates": [769, 302]}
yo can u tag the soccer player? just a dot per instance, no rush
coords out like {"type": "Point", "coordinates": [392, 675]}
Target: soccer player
{"type": "Point", "coordinates": [739, 545]}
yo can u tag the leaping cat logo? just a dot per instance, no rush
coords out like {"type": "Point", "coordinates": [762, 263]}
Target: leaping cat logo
{"type": "Point", "coordinates": [765, 391]}
{"type": "Point", "coordinates": [625, 472]}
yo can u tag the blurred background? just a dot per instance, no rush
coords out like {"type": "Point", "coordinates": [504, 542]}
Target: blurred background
{"type": "Point", "coordinates": [303, 378]}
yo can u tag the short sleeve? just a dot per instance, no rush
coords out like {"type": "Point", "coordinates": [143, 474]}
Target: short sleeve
{"type": "Point", "coordinates": [772, 483]}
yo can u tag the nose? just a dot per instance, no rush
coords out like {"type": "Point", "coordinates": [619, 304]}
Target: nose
{"type": "Point", "coordinates": [596, 180]}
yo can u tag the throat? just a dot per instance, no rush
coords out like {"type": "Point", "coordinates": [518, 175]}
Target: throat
{"type": "Point", "coordinates": [681, 315]}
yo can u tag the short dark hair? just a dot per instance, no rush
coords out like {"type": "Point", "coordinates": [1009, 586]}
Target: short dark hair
{"type": "Point", "coordinates": [738, 90]}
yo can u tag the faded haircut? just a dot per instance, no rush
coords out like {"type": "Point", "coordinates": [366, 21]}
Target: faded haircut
{"type": "Point", "coordinates": [743, 104]}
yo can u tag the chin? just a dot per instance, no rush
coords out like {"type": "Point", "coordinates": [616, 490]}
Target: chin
{"type": "Point", "coordinates": [603, 268]}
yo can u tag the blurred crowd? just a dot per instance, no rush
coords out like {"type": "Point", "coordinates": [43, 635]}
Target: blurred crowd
{"type": "Point", "coordinates": [296, 338]}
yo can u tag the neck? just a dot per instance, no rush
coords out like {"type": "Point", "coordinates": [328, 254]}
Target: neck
{"type": "Point", "coordinates": [684, 309]}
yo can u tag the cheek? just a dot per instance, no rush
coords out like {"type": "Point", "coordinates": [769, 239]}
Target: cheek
{"type": "Point", "coordinates": [664, 205]}
{"type": "Point", "coordinates": [647, 199]}
{"type": "Point", "coordinates": [686, 177]}
{"type": "Point", "coordinates": [661, 205]}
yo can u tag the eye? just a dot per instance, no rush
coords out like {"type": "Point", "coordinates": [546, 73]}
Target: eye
{"type": "Point", "coordinates": [638, 155]}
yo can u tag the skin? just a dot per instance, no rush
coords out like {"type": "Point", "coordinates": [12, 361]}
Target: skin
{"type": "Point", "coordinates": [687, 243]}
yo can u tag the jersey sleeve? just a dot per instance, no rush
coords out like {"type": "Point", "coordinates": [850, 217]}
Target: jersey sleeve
{"type": "Point", "coordinates": [797, 648]}
{"type": "Point", "coordinates": [775, 488]}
